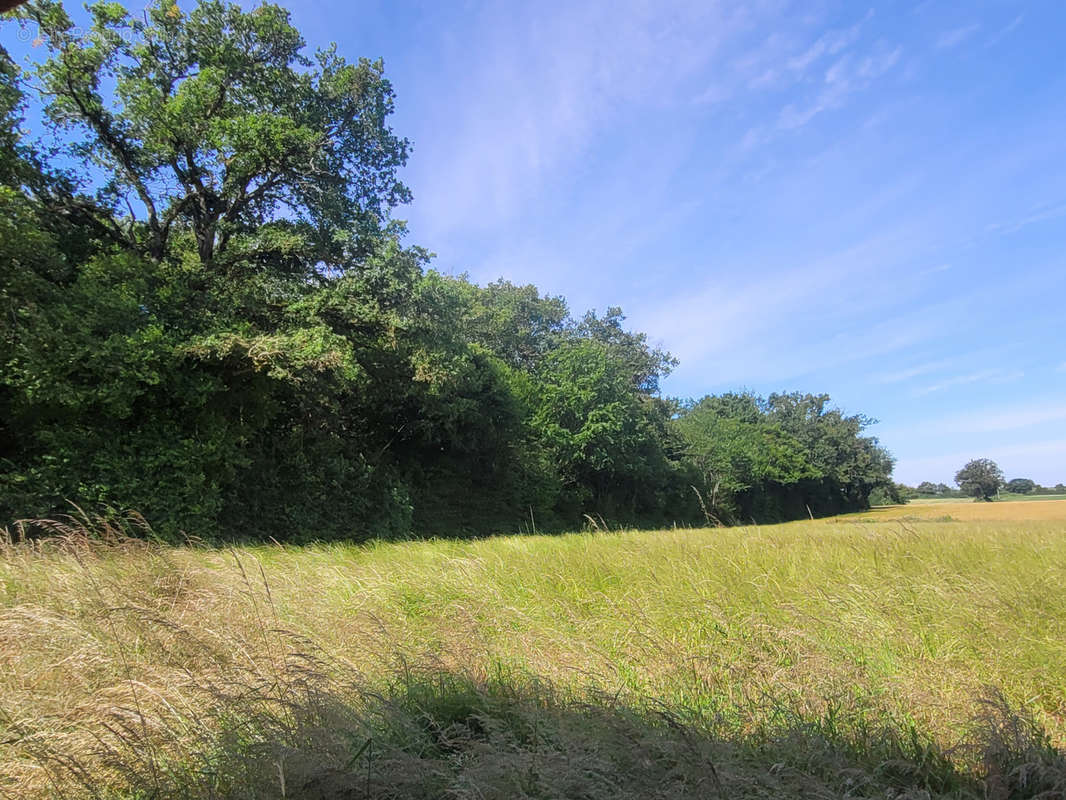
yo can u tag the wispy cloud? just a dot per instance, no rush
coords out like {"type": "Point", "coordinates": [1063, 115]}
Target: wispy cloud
{"type": "Point", "coordinates": [828, 44]}
{"type": "Point", "coordinates": [1005, 31]}
{"type": "Point", "coordinates": [898, 376]}
{"type": "Point", "coordinates": [1039, 214]}
{"type": "Point", "coordinates": [981, 376]}
{"type": "Point", "coordinates": [539, 90]}
{"type": "Point", "coordinates": [847, 75]}
{"type": "Point", "coordinates": [536, 90]}
{"type": "Point", "coordinates": [956, 36]}
{"type": "Point", "coordinates": [934, 270]}
{"type": "Point", "coordinates": [743, 323]}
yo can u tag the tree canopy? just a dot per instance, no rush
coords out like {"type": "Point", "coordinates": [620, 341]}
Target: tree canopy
{"type": "Point", "coordinates": [215, 124]}
{"type": "Point", "coordinates": [782, 457]}
{"type": "Point", "coordinates": [981, 478]}
{"type": "Point", "coordinates": [1021, 486]}
{"type": "Point", "coordinates": [209, 314]}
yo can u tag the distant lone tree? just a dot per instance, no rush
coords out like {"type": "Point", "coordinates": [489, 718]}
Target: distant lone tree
{"type": "Point", "coordinates": [981, 478]}
{"type": "Point", "coordinates": [1021, 486]}
{"type": "Point", "coordinates": [926, 487]}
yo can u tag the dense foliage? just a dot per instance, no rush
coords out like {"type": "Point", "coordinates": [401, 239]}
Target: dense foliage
{"type": "Point", "coordinates": [1021, 486]}
{"type": "Point", "coordinates": [782, 457]}
{"type": "Point", "coordinates": [208, 313]}
{"type": "Point", "coordinates": [981, 478]}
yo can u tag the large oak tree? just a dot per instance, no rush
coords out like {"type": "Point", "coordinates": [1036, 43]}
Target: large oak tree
{"type": "Point", "coordinates": [216, 122]}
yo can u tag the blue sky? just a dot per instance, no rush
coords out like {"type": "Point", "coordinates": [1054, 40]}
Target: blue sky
{"type": "Point", "coordinates": [865, 200]}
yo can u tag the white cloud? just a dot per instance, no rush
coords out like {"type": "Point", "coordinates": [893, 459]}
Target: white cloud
{"type": "Point", "coordinates": [878, 63]}
{"type": "Point", "coordinates": [996, 374]}
{"type": "Point", "coordinates": [529, 92]}
{"type": "Point", "coordinates": [712, 95]}
{"type": "Point", "coordinates": [747, 324]}
{"type": "Point", "coordinates": [847, 75]}
{"type": "Point", "coordinates": [839, 71]}
{"type": "Point", "coordinates": [1005, 30]}
{"type": "Point", "coordinates": [830, 43]}
{"type": "Point", "coordinates": [913, 372]}
{"type": "Point", "coordinates": [1038, 214]}
{"type": "Point", "coordinates": [956, 36]}
{"type": "Point", "coordinates": [934, 270]}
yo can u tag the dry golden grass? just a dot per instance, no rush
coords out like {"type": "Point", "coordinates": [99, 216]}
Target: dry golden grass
{"type": "Point", "coordinates": [108, 650]}
{"type": "Point", "coordinates": [969, 511]}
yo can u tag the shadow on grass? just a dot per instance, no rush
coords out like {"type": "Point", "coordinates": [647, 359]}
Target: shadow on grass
{"type": "Point", "coordinates": [442, 735]}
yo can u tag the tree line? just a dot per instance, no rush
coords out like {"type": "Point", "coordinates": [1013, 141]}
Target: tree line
{"type": "Point", "coordinates": [208, 313]}
{"type": "Point", "coordinates": [981, 479]}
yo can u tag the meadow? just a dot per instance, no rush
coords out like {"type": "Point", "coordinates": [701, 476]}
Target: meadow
{"type": "Point", "coordinates": [904, 652]}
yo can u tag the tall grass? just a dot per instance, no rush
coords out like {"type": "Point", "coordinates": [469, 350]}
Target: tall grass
{"type": "Point", "coordinates": [825, 660]}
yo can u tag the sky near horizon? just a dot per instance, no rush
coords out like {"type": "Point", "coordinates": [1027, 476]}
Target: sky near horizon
{"type": "Point", "coordinates": [864, 200]}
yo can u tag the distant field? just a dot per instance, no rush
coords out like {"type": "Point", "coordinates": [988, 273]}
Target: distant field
{"type": "Point", "coordinates": [894, 651]}
{"type": "Point", "coordinates": [1031, 497]}
{"type": "Point", "coordinates": [1011, 498]}
{"type": "Point", "coordinates": [1015, 510]}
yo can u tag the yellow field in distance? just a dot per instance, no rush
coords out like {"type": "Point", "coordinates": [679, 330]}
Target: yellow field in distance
{"type": "Point", "coordinates": [968, 511]}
